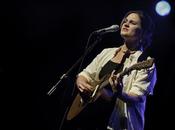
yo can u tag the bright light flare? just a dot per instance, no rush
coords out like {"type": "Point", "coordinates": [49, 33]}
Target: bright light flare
{"type": "Point", "coordinates": [163, 8]}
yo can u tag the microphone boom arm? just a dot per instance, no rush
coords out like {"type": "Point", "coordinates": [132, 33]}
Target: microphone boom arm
{"type": "Point", "coordinates": [65, 75]}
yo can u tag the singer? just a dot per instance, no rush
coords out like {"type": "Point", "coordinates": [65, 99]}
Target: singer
{"type": "Point", "coordinates": [124, 96]}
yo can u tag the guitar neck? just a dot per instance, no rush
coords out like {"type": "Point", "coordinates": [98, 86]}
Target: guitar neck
{"type": "Point", "coordinates": [137, 66]}
{"type": "Point", "coordinates": [121, 74]}
{"type": "Point", "coordinates": [126, 71]}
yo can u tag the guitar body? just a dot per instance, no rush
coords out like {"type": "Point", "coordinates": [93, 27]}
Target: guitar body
{"type": "Point", "coordinates": [81, 101]}
{"type": "Point", "coordinates": [76, 107]}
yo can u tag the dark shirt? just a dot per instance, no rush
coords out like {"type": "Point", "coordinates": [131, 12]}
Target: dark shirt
{"type": "Point", "coordinates": [109, 67]}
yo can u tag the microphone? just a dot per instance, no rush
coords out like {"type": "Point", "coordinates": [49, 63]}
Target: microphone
{"type": "Point", "coordinates": [113, 28]}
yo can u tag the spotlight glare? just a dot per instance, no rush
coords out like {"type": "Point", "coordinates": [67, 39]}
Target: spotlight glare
{"type": "Point", "coordinates": [163, 8]}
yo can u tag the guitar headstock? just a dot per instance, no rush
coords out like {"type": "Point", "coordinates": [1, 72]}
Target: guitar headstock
{"type": "Point", "coordinates": [143, 65]}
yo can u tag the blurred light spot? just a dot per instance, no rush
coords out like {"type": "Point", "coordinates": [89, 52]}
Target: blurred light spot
{"type": "Point", "coordinates": [163, 8]}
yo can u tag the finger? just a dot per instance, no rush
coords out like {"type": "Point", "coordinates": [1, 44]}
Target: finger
{"type": "Point", "coordinates": [113, 75]}
{"type": "Point", "coordinates": [115, 82]}
{"type": "Point", "coordinates": [83, 87]}
{"type": "Point", "coordinates": [81, 90]}
{"type": "Point", "coordinates": [111, 82]}
{"type": "Point", "coordinates": [80, 87]}
{"type": "Point", "coordinates": [88, 87]}
{"type": "Point", "coordinates": [114, 79]}
{"type": "Point", "coordinates": [112, 72]}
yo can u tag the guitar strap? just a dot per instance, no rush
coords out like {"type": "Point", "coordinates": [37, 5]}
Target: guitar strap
{"type": "Point", "coordinates": [126, 55]}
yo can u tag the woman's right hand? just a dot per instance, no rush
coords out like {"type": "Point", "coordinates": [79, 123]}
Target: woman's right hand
{"type": "Point", "coordinates": [83, 85]}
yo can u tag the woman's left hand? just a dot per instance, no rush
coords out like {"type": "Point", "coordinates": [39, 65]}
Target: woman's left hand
{"type": "Point", "coordinates": [116, 82]}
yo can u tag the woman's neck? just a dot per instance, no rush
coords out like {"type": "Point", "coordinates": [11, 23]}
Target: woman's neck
{"type": "Point", "coordinates": [131, 46]}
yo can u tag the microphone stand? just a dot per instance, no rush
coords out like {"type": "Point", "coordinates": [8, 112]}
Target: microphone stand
{"type": "Point", "coordinates": [87, 50]}
{"type": "Point", "coordinates": [65, 75]}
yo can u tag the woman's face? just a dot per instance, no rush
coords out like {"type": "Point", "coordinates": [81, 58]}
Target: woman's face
{"type": "Point", "coordinates": [131, 27]}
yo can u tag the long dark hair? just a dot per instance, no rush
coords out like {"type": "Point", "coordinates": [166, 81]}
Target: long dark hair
{"type": "Point", "coordinates": [147, 26]}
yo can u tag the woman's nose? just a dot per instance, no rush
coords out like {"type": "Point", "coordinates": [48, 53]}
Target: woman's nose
{"type": "Point", "coordinates": [126, 24]}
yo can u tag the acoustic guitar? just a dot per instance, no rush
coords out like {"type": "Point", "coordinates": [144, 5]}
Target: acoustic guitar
{"type": "Point", "coordinates": [81, 101]}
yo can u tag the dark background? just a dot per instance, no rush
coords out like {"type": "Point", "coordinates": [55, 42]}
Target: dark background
{"type": "Point", "coordinates": [42, 39]}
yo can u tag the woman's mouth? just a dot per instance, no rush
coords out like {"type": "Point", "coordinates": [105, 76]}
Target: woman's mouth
{"type": "Point", "coordinates": [125, 29]}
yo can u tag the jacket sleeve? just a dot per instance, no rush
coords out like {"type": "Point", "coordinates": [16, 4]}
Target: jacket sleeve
{"type": "Point", "coordinates": [144, 81]}
{"type": "Point", "coordinates": [91, 70]}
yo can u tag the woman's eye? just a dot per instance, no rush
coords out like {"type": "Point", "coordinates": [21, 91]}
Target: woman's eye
{"type": "Point", "coordinates": [133, 22]}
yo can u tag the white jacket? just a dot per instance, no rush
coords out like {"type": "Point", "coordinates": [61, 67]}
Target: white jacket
{"type": "Point", "coordinates": [140, 82]}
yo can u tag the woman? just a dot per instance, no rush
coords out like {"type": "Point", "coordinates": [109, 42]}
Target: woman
{"type": "Point", "coordinates": [130, 90]}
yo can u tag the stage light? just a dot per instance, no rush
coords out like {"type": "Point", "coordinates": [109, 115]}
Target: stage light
{"type": "Point", "coordinates": [163, 8]}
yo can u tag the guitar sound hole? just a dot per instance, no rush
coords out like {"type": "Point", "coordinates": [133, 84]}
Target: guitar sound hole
{"type": "Point", "coordinates": [85, 97]}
